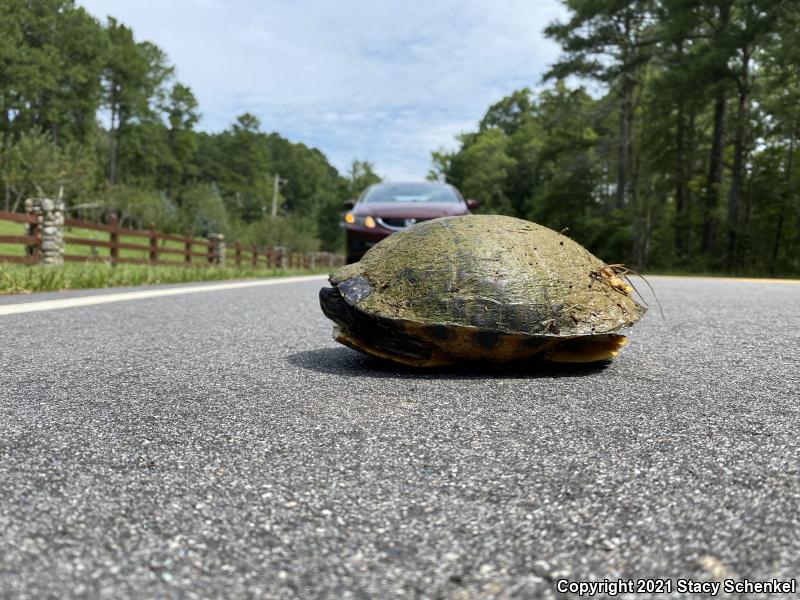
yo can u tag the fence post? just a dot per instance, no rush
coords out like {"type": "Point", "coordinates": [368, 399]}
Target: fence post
{"type": "Point", "coordinates": [114, 238]}
{"type": "Point", "coordinates": [216, 249]}
{"type": "Point", "coordinates": [49, 229]}
{"type": "Point", "coordinates": [282, 258]}
{"type": "Point", "coordinates": [187, 247]}
{"type": "Point", "coordinates": [153, 244]}
{"type": "Point", "coordinates": [238, 255]}
{"type": "Point", "coordinates": [254, 256]}
{"type": "Point", "coordinates": [34, 230]}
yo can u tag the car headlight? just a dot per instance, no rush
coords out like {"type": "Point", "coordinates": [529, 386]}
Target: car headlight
{"type": "Point", "coordinates": [366, 221]}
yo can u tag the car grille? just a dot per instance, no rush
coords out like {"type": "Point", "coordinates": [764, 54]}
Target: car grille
{"type": "Point", "coordinates": [397, 222]}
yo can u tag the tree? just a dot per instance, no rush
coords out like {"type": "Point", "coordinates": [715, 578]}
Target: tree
{"type": "Point", "coordinates": [699, 105]}
{"type": "Point", "coordinates": [360, 176]}
{"type": "Point", "coordinates": [34, 166]}
{"type": "Point", "coordinates": [51, 54]}
{"type": "Point", "coordinates": [182, 116]}
{"type": "Point", "coordinates": [611, 41]}
{"type": "Point", "coordinates": [202, 210]}
{"type": "Point", "coordinates": [752, 23]}
{"type": "Point", "coordinates": [713, 54]}
{"type": "Point", "coordinates": [565, 164]}
{"type": "Point", "coordinates": [133, 86]}
{"type": "Point", "coordinates": [77, 48]}
{"type": "Point", "coordinates": [775, 169]}
{"type": "Point", "coordinates": [138, 206]}
{"type": "Point", "coordinates": [487, 166]}
{"type": "Point", "coordinates": [245, 171]}
{"type": "Point", "coordinates": [511, 113]}
{"type": "Point", "coordinates": [75, 94]}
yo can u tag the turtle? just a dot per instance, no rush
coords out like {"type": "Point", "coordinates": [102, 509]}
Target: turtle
{"type": "Point", "coordinates": [487, 288]}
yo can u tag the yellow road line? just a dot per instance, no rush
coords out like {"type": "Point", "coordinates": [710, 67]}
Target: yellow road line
{"type": "Point", "coordinates": [733, 279]}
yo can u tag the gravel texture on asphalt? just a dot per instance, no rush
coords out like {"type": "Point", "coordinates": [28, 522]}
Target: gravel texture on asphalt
{"type": "Point", "coordinates": [222, 445]}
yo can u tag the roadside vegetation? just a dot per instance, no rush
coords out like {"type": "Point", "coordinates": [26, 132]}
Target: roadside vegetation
{"type": "Point", "coordinates": [23, 279]}
{"type": "Point", "coordinates": [679, 152]}
{"type": "Point", "coordinates": [686, 160]}
{"type": "Point", "coordinates": [93, 114]}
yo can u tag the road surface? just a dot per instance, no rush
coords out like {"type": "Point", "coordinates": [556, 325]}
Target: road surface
{"type": "Point", "coordinates": [220, 444]}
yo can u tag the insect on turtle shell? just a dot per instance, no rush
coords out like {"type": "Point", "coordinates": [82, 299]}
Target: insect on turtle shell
{"type": "Point", "coordinates": [480, 287]}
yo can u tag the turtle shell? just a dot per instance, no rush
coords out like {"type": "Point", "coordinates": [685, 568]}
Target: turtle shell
{"type": "Point", "coordinates": [504, 284]}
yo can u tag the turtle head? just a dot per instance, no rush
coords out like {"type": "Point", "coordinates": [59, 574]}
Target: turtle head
{"type": "Point", "coordinates": [333, 305]}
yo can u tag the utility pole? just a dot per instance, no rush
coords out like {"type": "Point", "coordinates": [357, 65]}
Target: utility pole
{"type": "Point", "coordinates": [276, 182]}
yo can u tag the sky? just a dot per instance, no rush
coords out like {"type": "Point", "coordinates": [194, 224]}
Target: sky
{"type": "Point", "coordinates": [377, 80]}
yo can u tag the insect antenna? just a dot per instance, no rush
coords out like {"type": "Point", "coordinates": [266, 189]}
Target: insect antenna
{"type": "Point", "coordinates": [623, 270]}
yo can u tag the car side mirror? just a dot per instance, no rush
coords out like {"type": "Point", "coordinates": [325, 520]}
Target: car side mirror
{"type": "Point", "coordinates": [348, 204]}
{"type": "Point", "coordinates": [473, 204]}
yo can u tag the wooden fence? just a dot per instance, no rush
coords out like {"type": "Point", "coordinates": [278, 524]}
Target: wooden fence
{"type": "Point", "coordinates": [184, 250]}
{"type": "Point", "coordinates": [32, 241]}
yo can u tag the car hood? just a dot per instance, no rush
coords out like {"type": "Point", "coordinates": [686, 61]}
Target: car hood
{"type": "Point", "coordinates": [414, 210]}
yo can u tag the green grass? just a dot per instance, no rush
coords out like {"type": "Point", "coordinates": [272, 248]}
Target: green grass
{"type": "Point", "coordinates": [90, 234]}
{"type": "Point", "coordinates": [22, 279]}
{"type": "Point", "coordinates": [9, 228]}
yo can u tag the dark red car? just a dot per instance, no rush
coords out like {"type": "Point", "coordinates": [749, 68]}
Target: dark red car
{"type": "Point", "coordinates": [384, 208]}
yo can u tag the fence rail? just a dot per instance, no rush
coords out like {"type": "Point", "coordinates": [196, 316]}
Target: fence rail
{"type": "Point", "coordinates": [18, 217]}
{"type": "Point", "coordinates": [45, 242]}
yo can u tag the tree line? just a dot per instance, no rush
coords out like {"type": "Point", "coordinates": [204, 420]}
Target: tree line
{"type": "Point", "coordinates": [92, 114]}
{"type": "Point", "coordinates": [682, 158]}
{"type": "Point", "coordinates": [676, 153]}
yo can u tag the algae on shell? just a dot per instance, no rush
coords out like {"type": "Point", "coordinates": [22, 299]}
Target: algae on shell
{"type": "Point", "coordinates": [490, 272]}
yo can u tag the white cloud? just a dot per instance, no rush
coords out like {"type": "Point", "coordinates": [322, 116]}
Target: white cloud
{"type": "Point", "coordinates": [379, 80]}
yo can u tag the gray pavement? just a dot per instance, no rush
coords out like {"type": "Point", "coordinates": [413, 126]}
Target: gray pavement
{"type": "Point", "coordinates": [221, 445]}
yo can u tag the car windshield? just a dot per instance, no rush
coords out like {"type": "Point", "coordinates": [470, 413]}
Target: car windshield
{"type": "Point", "coordinates": [411, 192]}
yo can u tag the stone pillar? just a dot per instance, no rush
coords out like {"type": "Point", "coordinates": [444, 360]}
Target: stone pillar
{"type": "Point", "coordinates": [217, 241]}
{"type": "Point", "coordinates": [50, 228]}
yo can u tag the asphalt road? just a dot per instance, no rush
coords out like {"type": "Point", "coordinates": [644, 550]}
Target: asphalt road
{"type": "Point", "coordinates": [222, 445]}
